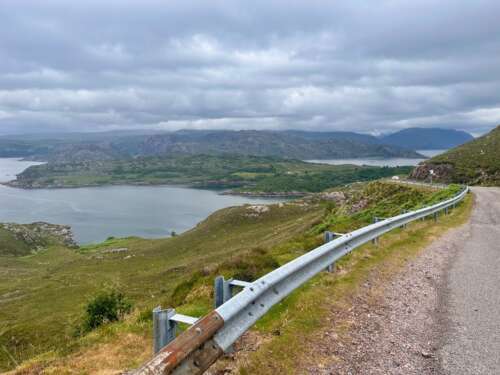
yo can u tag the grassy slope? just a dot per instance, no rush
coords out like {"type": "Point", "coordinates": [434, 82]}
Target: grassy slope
{"type": "Point", "coordinates": [275, 237]}
{"type": "Point", "coordinates": [41, 305]}
{"type": "Point", "coordinates": [10, 245]}
{"type": "Point", "coordinates": [476, 162]}
{"type": "Point", "coordinates": [249, 173]}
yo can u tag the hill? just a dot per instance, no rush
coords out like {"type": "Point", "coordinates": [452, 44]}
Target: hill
{"type": "Point", "coordinates": [285, 144]}
{"type": "Point", "coordinates": [427, 139]}
{"type": "Point", "coordinates": [476, 162]}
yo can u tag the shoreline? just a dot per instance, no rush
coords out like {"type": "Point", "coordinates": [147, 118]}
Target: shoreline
{"type": "Point", "coordinates": [220, 191]}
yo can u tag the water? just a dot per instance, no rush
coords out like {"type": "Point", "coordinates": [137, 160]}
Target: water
{"type": "Point", "coordinates": [380, 162]}
{"type": "Point", "coordinates": [99, 212]}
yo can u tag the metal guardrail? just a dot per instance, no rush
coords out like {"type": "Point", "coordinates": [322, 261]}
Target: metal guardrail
{"type": "Point", "coordinates": [210, 337]}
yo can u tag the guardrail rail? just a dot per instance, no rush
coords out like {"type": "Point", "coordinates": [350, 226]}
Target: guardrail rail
{"type": "Point", "coordinates": [197, 348]}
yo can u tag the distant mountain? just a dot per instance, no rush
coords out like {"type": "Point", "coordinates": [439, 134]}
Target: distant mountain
{"type": "Point", "coordinates": [476, 162]}
{"type": "Point", "coordinates": [427, 139]}
{"type": "Point", "coordinates": [285, 144]}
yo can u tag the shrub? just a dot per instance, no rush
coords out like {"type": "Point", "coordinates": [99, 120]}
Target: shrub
{"type": "Point", "coordinates": [105, 307]}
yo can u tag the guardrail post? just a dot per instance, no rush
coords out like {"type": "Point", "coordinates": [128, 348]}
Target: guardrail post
{"type": "Point", "coordinates": [222, 290]}
{"type": "Point", "coordinates": [164, 329]}
{"type": "Point", "coordinates": [402, 213]}
{"type": "Point", "coordinates": [435, 216]}
{"type": "Point", "coordinates": [375, 240]}
{"type": "Point", "coordinates": [330, 236]}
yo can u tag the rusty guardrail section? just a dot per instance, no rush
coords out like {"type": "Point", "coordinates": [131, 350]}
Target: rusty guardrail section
{"type": "Point", "coordinates": [197, 348]}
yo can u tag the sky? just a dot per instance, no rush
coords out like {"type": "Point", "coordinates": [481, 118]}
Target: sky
{"type": "Point", "coordinates": [365, 66]}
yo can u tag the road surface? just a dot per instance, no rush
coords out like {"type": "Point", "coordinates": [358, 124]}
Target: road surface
{"type": "Point", "coordinates": [471, 342]}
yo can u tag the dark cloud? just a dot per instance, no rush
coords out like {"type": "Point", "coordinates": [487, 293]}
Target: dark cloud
{"type": "Point", "coordinates": [350, 65]}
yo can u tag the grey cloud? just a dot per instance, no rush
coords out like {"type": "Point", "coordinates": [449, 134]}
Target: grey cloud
{"type": "Point", "coordinates": [350, 65]}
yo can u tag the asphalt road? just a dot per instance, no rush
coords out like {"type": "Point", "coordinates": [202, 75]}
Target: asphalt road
{"type": "Point", "coordinates": [471, 341]}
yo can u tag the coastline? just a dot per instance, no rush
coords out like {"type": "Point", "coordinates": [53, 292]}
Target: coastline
{"type": "Point", "coordinates": [249, 194]}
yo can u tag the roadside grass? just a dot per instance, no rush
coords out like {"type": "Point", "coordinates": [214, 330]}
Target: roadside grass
{"type": "Point", "coordinates": [294, 324]}
{"type": "Point", "coordinates": [178, 272]}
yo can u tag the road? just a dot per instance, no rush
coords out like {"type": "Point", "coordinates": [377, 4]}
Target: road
{"type": "Point", "coordinates": [471, 340]}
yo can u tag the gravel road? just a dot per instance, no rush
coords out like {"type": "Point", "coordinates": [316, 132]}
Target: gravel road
{"type": "Point", "coordinates": [471, 311]}
{"type": "Point", "coordinates": [439, 316]}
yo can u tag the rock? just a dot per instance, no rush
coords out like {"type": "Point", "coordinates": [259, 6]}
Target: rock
{"type": "Point", "coordinates": [117, 250]}
{"type": "Point", "coordinates": [335, 196]}
{"type": "Point", "coordinates": [40, 234]}
{"type": "Point", "coordinates": [256, 210]}
{"type": "Point", "coordinates": [426, 354]}
{"type": "Point", "coordinates": [442, 172]}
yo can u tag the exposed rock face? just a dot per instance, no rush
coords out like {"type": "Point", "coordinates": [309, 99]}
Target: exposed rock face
{"type": "Point", "coordinates": [256, 210]}
{"type": "Point", "coordinates": [442, 172]}
{"type": "Point", "coordinates": [335, 196]}
{"type": "Point", "coordinates": [40, 234]}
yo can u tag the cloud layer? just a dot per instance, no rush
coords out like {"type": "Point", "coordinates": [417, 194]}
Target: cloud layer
{"type": "Point", "coordinates": [340, 65]}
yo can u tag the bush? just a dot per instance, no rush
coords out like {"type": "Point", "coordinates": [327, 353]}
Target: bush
{"type": "Point", "coordinates": [105, 307]}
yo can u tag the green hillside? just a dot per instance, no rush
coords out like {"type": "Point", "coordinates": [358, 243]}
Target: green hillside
{"type": "Point", "coordinates": [475, 163]}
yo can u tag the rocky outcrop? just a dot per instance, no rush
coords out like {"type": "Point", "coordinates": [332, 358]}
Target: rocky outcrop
{"type": "Point", "coordinates": [338, 197]}
{"type": "Point", "coordinates": [40, 234]}
{"type": "Point", "coordinates": [441, 172]}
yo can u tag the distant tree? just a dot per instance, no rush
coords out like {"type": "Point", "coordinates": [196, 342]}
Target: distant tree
{"type": "Point", "coordinates": [173, 233]}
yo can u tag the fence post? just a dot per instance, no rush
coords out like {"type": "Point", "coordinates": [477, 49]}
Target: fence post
{"type": "Point", "coordinates": [164, 329]}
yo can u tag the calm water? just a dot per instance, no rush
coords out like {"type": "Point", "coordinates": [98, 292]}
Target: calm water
{"type": "Point", "coordinates": [99, 212]}
{"type": "Point", "coordinates": [380, 162]}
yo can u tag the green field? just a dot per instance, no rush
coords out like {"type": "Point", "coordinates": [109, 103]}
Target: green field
{"type": "Point", "coordinates": [240, 173]}
{"type": "Point", "coordinates": [42, 296]}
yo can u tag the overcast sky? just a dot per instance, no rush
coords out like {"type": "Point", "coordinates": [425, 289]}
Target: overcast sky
{"type": "Point", "coordinates": [368, 66]}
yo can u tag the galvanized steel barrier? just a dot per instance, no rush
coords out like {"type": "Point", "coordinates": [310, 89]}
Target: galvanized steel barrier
{"type": "Point", "coordinates": [208, 338]}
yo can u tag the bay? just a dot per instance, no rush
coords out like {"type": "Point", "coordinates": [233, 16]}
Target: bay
{"type": "Point", "coordinates": [380, 162]}
{"type": "Point", "coordinates": [96, 213]}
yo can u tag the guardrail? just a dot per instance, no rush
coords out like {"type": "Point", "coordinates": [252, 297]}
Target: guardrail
{"type": "Point", "coordinates": [210, 337]}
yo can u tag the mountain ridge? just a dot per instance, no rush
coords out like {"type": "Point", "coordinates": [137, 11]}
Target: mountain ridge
{"type": "Point", "coordinates": [427, 138]}
{"type": "Point", "coordinates": [292, 144]}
